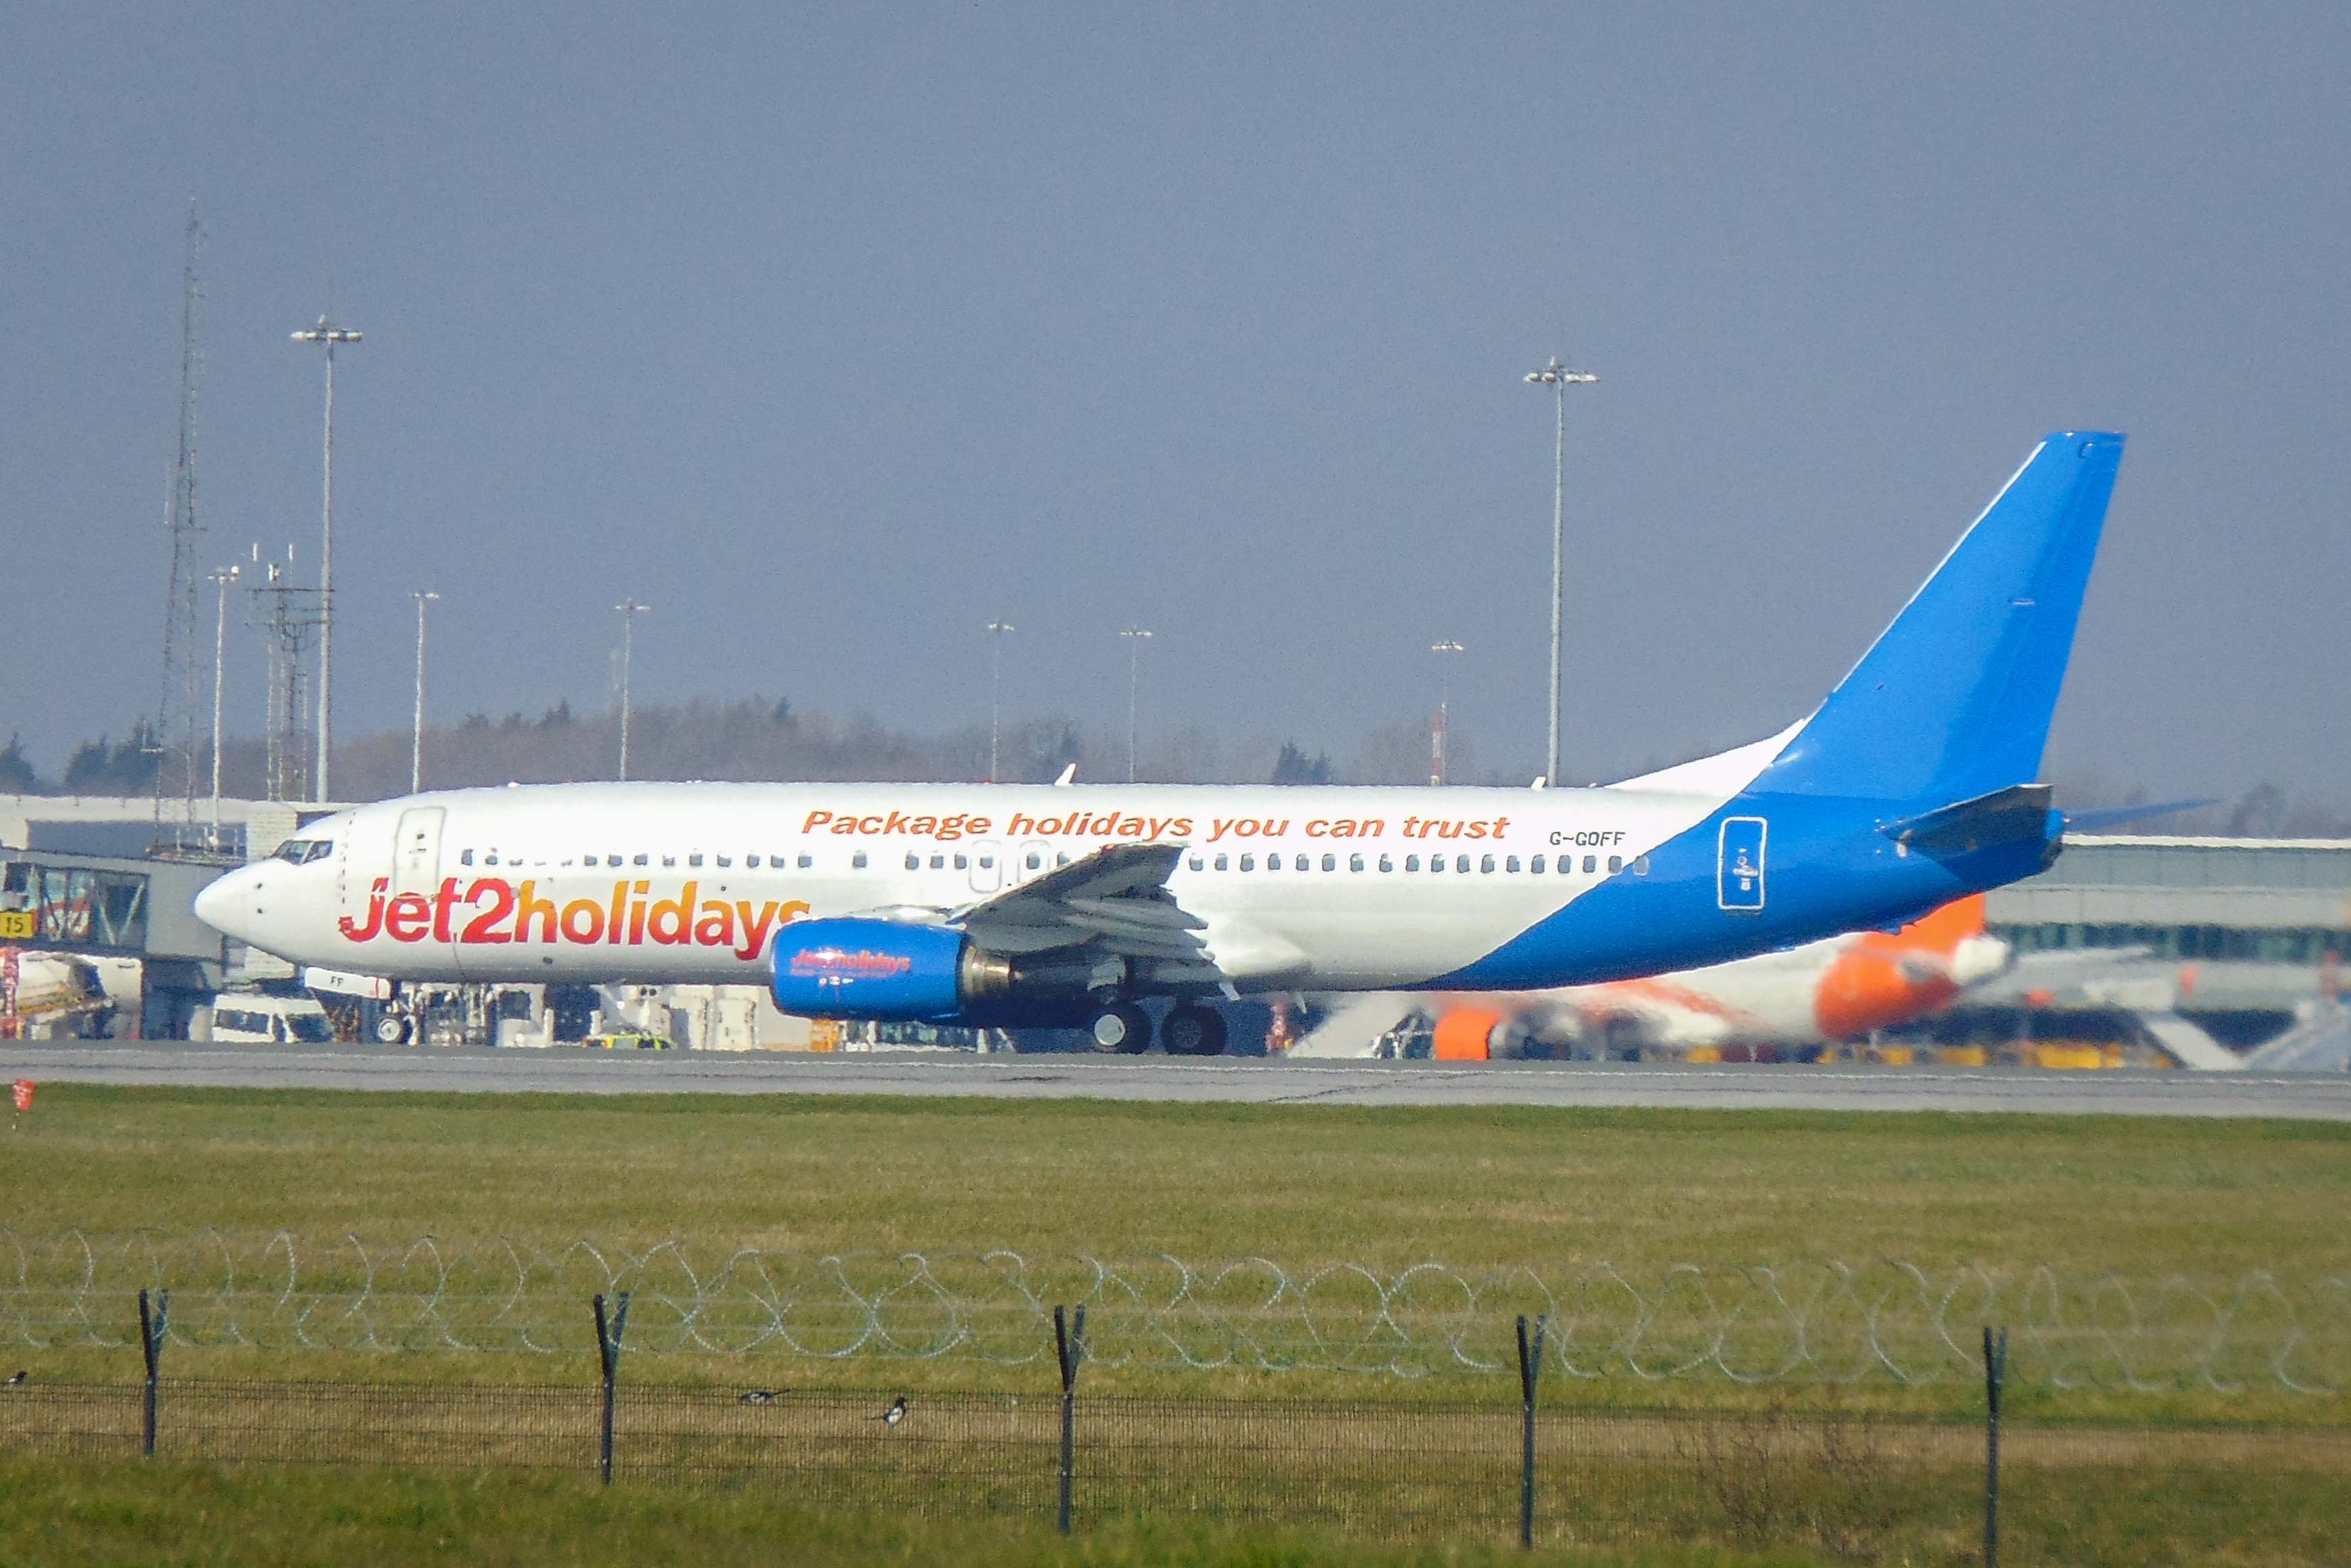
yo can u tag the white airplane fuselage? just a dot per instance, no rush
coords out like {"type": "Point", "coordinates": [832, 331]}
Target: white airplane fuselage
{"type": "Point", "coordinates": [688, 883]}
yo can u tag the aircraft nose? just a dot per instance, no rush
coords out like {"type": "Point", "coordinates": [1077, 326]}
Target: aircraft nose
{"type": "Point", "coordinates": [223, 900]}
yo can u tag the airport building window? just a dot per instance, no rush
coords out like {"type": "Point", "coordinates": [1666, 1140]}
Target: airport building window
{"type": "Point", "coordinates": [1615, 863]}
{"type": "Point", "coordinates": [1354, 862]}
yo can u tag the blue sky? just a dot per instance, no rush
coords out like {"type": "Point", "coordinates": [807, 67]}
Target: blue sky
{"type": "Point", "coordinates": [834, 333]}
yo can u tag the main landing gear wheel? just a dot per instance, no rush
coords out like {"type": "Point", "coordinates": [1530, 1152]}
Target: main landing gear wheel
{"type": "Point", "coordinates": [1122, 1027]}
{"type": "Point", "coordinates": [391, 1029]}
{"type": "Point", "coordinates": [1194, 1032]}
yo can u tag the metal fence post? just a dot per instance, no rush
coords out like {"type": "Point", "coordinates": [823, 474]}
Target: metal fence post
{"type": "Point", "coordinates": [1995, 1376]}
{"type": "Point", "coordinates": [1530, 1374]}
{"type": "Point", "coordinates": [1069, 1344]}
{"type": "Point", "coordinates": [608, 1354]}
{"type": "Point", "coordinates": [154, 1321]}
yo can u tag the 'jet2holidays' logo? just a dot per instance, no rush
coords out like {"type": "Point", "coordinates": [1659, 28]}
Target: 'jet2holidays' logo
{"type": "Point", "coordinates": [494, 911]}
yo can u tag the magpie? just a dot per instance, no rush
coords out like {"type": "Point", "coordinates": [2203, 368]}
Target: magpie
{"type": "Point", "coordinates": [761, 1395]}
{"type": "Point", "coordinates": [16, 1379]}
{"type": "Point", "coordinates": [894, 1414]}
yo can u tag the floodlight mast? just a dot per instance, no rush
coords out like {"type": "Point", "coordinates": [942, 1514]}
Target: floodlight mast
{"type": "Point", "coordinates": [220, 579]}
{"type": "Point", "coordinates": [996, 630]}
{"type": "Point", "coordinates": [1558, 378]}
{"type": "Point", "coordinates": [328, 334]}
{"type": "Point", "coordinates": [416, 745]}
{"type": "Point", "coordinates": [1135, 638]}
{"type": "Point", "coordinates": [1444, 702]}
{"type": "Point", "coordinates": [629, 610]}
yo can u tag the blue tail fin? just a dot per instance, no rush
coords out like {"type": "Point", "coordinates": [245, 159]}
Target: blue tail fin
{"type": "Point", "coordinates": [1953, 701]}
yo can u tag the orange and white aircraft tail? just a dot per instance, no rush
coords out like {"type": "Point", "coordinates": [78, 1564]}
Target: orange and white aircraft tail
{"type": "Point", "coordinates": [1841, 988]}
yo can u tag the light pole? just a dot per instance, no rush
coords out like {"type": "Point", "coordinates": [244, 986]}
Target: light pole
{"type": "Point", "coordinates": [220, 579]}
{"type": "Point", "coordinates": [1135, 638]}
{"type": "Point", "coordinates": [1558, 378]}
{"type": "Point", "coordinates": [996, 630]}
{"type": "Point", "coordinates": [327, 333]}
{"type": "Point", "coordinates": [416, 743]}
{"type": "Point", "coordinates": [629, 610]}
{"type": "Point", "coordinates": [1444, 701]}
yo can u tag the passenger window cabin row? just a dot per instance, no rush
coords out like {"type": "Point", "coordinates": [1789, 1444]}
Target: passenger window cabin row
{"type": "Point", "coordinates": [1034, 860]}
{"type": "Point", "coordinates": [1486, 864]}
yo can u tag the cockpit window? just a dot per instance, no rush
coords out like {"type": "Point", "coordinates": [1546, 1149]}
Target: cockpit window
{"type": "Point", "coordinates": [301, 851]}
{"type": "Point", "coordinates": [320, 848]}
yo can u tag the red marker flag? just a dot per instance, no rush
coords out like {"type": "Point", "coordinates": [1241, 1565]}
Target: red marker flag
{"type": "Point", "coordinates": [21, 1092]}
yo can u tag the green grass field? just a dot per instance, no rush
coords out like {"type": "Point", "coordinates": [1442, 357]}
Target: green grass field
{"type": "Point", "coordinates": [1306, 1187]}
{"type": "Point", "coordinates": [199, 1516]}
{"type": "Point", "coordinates": [215, 1174]}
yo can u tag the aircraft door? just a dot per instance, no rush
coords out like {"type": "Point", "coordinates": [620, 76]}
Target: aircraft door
{"type": "Point", "coordinates": [1739, 865]}
{"type": "Point", "coordinates": [987, 866]}
{"type": "Point", "coordinates": [416, 850]}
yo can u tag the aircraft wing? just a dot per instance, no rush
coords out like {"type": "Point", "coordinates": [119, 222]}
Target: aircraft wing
{"type": "Point", "coordinates": [1113, 901]}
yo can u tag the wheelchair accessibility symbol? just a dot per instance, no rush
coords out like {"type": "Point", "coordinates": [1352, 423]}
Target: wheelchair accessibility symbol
{"type": "Point", "coordinates": [1739, 865]}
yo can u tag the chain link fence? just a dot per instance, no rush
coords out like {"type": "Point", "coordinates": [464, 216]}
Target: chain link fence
{"type": "Point", "coordinates": [1870, 1487]}
{"type": "Point", "coordinates": [1892, 1322]}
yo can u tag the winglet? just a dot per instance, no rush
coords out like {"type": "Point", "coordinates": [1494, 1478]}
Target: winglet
{"type": "Point", "coordinates": [1068, 775]}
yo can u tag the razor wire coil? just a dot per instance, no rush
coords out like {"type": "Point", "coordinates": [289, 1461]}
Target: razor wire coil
{"type": "Point", "coordinates": [1892, 1321]}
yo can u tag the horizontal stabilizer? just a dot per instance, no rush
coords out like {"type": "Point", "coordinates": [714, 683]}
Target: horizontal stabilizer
{"type": "Point", "coordinates": [2009, 816]}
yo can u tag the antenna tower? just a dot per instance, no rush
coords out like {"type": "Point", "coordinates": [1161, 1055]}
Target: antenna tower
{"type": "Point", "coordinates": [286, 617]}
{"type": "Point", "coordinates": [174, 736]}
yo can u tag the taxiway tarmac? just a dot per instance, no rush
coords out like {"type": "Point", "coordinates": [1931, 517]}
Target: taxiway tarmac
{"type": "Point", "coordinates": [1227, 1080]}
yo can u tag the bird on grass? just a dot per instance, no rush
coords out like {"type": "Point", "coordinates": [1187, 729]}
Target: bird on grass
{"type": "Point", "coordinates": [894, 1414]}
{"type": "Point", "coordinates": [761, 1395]}
{"type": "Point", "coordinates": [16, 1379]}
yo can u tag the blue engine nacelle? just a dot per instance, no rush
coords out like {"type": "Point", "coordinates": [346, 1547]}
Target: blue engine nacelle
{"type": "Point", "coordinates": [868, 968]}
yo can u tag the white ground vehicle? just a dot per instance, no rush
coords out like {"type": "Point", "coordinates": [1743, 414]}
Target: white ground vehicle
{"type": "Point", "coordinates": [257, 1019]}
